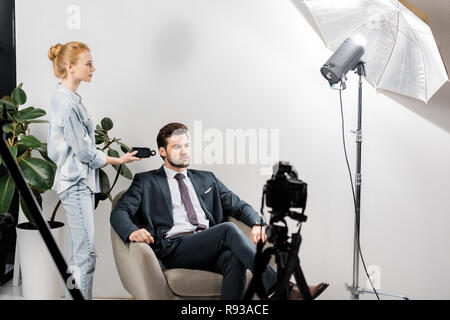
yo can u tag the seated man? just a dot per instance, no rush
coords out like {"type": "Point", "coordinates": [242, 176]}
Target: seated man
{"type": "Point", "coordinates": [186, 215]}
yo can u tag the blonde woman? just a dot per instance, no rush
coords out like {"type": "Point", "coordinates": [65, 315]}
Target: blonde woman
{"type": "Point", "coordinates": [71, 145]}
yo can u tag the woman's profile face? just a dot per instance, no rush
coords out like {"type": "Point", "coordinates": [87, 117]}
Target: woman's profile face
{"type": "Point", "coordinates": [84, 68]}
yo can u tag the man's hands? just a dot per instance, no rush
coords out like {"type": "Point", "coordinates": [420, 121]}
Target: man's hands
{"type": "Point", "coordinates": [257, 233]}
{"type": "Point", "coordinates": [141, 235]}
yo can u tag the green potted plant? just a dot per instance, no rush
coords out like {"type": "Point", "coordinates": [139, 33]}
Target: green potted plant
{"type": "Point", "coordinates": [39, 174]}
{"type": "Point", "coordinates": [38, 269]}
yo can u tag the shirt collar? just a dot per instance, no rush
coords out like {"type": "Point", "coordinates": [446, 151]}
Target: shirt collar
{"type": "Point", "coordinates": [171, 173]}
{"type": "Point", "coordinates": [74, 95]}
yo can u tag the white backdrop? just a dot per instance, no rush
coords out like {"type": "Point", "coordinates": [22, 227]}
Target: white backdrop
{"type": "Point", "coordinates": [254, 65]}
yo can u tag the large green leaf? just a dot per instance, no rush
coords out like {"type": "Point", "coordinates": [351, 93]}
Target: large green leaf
{"type": "Point", "coordinates": [10, 118]}
{"type": "Point", "coordinates": [107, 123]}
{"type": "Point", "coordinates": [21, 130]}
{"type": "Point", "coordinates": [26, 110]}
{"type": "Point", "coordinates": [100, 135]}
{"type": "Point", "coordinates": [124, 171]}
{"type": "Point", "coordinates": [99, 129]}
{"type": "Point", "coordinates": [104, 182]}
{"type": "Point", "coordinates": [13, 152]}
{"type": "Point", "coordinates": [30, 113]}
{"type": "Point", "coordinates": [30, 141]}
{"type": "Point", "coordinates": [25, 210]}
{"type": "Point", "coordinates": [113, 153]}
{"type": "Point", "coordinates": [6, 100]}
{"type": "Point", "coordinates": [36, 121]}
{"type": "Point", "coordinates": [8, 128]}
{"type": "Point", "coordinates": [21, 149]}
{"type": "Point", "coordinates": [19, 96]}
{"type": "Point", "coordinates": [124, 147]}
{"type": "Point", "coordinates": [6, 193]}
{"type": "Point", "coordinates": [104, 187]}
{"type": "Point", "coordinates": [43, 151]}
{"type": "Point", "coordinates": [99, 139]}
{"type": "Point", "coordinates": [37, 172]}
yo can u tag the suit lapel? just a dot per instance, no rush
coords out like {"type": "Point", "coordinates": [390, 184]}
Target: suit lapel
{"type": "Point", "coordinates": [199, 189]}
{"type": "Point", "coordinates": [165, 191]}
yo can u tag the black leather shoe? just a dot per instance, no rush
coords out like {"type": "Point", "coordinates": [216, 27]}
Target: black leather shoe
{"type": "Point", "coordinates": [315, 291]}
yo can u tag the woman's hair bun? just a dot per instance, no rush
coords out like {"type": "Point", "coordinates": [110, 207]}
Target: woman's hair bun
{"type": "Point", "coordinates": [54, 51]}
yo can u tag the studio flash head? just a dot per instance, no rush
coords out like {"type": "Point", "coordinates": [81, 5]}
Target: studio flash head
{"type": "Point", "coordinates": [345, 58]}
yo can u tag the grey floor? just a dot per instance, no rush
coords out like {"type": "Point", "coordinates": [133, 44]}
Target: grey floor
{"type": "Point", "coordinates": [8, 292]}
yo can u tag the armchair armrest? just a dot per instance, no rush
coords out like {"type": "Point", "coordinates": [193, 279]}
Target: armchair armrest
{"type": "Point", "coordinates": [139, 270]}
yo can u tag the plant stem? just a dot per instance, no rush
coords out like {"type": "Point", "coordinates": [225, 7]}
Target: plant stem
{"type": "Point", "coordinates": [54, 212]}
{"type": "Point", "coordinates": [109, 143]}
{"type": "Point", "coordinates": [14, 134]}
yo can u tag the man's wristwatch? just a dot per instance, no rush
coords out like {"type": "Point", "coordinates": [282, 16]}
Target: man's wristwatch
{"type": "Point", "coordinates": [259, 223]}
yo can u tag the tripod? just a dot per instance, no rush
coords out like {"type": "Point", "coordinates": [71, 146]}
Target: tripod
{"type": "Point", "coordinates": [287, 260]}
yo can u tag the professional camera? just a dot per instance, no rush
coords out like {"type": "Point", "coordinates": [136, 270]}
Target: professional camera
{"type": "Point", "coordinates": [284, 190]}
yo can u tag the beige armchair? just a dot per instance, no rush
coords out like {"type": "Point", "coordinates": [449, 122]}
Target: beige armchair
{"type": "Point", "coordinates": [144, 276]}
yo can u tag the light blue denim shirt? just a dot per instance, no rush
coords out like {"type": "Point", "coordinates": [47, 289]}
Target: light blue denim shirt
{"type": "Point", "coordinates": [71, 142]}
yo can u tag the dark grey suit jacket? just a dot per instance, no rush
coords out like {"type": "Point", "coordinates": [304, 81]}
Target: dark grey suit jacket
{"type": "Point", "coordinates": [148, 203]}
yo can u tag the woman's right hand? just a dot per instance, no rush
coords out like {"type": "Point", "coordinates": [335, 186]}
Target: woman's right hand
{"type": "Point", "coordinates": [126, 158]}
{"type": "Point", "coordinates": [129, 157]}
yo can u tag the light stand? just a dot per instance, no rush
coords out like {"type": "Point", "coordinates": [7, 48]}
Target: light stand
{"type": "Point", "coordinates": [354, 289]}
{"type": "Point", "coordinates": [347, 57]}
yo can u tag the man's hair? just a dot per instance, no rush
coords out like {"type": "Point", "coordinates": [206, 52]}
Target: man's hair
{"type": "Point", "coordinates": [167, 131]}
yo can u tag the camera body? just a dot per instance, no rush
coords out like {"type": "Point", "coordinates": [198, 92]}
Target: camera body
{"type": "Point", "coordinates": [284, 190]}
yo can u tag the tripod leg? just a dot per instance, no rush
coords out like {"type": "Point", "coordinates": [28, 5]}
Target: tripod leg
{"type": "Point", "coordinates": [292, 265]}
{"type": "Point", "coordinates": [284, 273]}
{"type": "Point", "coordinates": [301, 282]}
{"type": "Point", "coordinates": [262, 259]}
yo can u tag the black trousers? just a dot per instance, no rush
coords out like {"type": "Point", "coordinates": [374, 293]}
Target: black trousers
{"type": "Point", "coordinates": [223, 249]}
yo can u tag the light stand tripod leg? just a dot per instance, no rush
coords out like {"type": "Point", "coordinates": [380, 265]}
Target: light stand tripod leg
{"type": "Point", "coordinates": [393, 295]}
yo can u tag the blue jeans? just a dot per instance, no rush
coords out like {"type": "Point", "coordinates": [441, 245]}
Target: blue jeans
{"type": "Point", "coordinates": [78, 201]}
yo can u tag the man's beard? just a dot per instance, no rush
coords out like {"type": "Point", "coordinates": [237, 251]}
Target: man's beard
{"type": "Point", "coordinates": [177, 165]}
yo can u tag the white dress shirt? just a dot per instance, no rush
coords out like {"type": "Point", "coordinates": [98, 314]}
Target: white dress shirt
{"type": "Point", "coordinates": [180, 218]}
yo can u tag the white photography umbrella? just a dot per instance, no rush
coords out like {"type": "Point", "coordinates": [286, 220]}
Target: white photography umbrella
{"type": "Point", "coordinates": [401, 54]}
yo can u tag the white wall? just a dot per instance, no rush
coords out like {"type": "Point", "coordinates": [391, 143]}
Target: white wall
{"type": "Point", "coordinates": [254, 64]}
